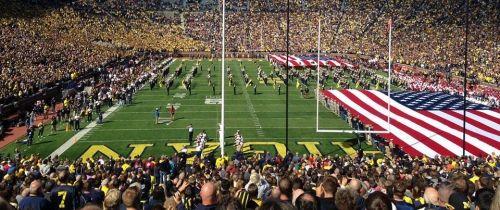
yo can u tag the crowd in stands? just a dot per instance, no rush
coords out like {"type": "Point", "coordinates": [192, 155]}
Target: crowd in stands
{"type": "Point", "coordinates": [47, 42]}
{"type": "Point", "coordinates": [260, 181]}
{"type": "Point", "coordinates": [74, 37]}
{"type": "Point", "coordinates": [418, 81]}
{"type": "Point", "coordinates": [44, 42]}
{"type": "Point", "coordinates": [425, 34]}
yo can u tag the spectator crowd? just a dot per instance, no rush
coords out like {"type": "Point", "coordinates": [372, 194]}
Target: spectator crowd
{"type": "Point", "coordinates": [46, 42]}
{"type": "Point", "coordinates": [261, 181]}
{"type": "Point", "coordinates": [57, 39]}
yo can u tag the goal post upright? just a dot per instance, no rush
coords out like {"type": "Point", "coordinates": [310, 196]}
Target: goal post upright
{"type": "Point", "coordinates": [222, 126]}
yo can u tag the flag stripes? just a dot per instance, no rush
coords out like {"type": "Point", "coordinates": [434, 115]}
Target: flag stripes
{"type": "Point", "coordinates": [309, 62]}
{"type": "Point", "coordinates": [435, 132]}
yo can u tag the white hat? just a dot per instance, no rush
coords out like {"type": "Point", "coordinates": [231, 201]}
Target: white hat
{"type": "Point", "coordinates": [255, 178]}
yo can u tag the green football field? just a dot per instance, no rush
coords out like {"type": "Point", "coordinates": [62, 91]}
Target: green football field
{"type": "Point", "coordinates": [131, 130]}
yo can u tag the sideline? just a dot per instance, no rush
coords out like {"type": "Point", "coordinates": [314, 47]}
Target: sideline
{"type": "Point", "coordinates": [61, 149]}
{"type": "Point", "coordinates": [14, 133]}
{"type": "Point", "coordinates": [82, 133]}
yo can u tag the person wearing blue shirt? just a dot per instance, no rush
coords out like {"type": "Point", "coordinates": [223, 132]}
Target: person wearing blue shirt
{"type": "Point", "coordinates": [35, 200]}
{"type": "Point", "coordinates": [63, 196]}
{"type": "Point", "coordinates": [157, 115]}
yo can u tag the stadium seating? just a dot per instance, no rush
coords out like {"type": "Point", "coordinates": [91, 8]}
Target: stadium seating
{"type": "Point", "coordinates": [44, 43]}
{"type": "Point", "coordinates": [250, 26]}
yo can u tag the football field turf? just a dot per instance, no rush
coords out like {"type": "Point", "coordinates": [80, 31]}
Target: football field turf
{"type": "Point", "coordinates": [260, 117]}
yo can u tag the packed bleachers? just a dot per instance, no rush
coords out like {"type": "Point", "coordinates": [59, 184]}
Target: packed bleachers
{"type": "Point", "coordinates": [36, 52]}
{"type": "Point", "coordinates": [73, 37]}
{"type": "Point", "coordinates": [45, 42]}
{"type": "Point", "coordinates": [264, 181]}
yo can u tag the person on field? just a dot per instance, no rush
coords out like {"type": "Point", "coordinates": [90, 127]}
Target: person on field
{"type": "Point", "coordinates": [171, 110]}
{"type": "Point", "coordinates": [41, 127]}
{"type": "Point", "coordinates": [157, 115]}
{"type": "Point", "coordinates": [190, 133]}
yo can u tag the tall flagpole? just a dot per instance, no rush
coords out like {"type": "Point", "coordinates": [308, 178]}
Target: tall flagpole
{"type": "Point", "coordinates": [389, 79]}
{"type": "Point", "coordinates": [466, 66]}
{"type": "Point", "coordinates": [318, 74]}
{"type": "Point", "coordinates": [223, 75]}
{"type": "Point", "coordinates": [287, 70]}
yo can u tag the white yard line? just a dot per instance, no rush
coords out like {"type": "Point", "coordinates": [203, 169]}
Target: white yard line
{"type": "Point", "coordinates": [205, 105]}
{"type": "Point", "coordinates": [127, 112]}
{"type": "Point", "coordinates": [227, 99]}
{"type": "Point", "coordinates": [184, 140]}
{"type": "Point", "coordinates": [255, 119]}
{"type": "Point", "coordinates": [205, 119]}
{"type": "Point", "coordinates": [167, 128]}
{"type": "Point", "coordinates": [82, 133]}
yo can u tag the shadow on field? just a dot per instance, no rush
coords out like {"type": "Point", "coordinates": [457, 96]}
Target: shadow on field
{"type": "Point", "coordinates": [178, 118]}
{"type": "Point", "coordinates": [43, 142]}
{"type": "Point", "coordinates": [134, 104]}
{"type": "Point", "coordinates": [34, 142]}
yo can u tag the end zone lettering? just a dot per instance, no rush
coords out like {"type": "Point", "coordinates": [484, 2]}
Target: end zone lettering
{"type": "Point", "coordinates": [138, 149]}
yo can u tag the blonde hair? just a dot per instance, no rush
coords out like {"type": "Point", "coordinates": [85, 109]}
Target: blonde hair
{"type": "Point", "coordinates": [112, 199]}
{"type": "Point", "coordinates": [170, 203]}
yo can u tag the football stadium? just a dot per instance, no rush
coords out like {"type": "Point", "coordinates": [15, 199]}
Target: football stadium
{"type": "Point", "coordinates": [242, 104]}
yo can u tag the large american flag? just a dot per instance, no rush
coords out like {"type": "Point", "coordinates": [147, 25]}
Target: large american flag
{"type": "Point", "coordinates": [309, 61]}
{"type": "Point", "coordinates": [425, 123]}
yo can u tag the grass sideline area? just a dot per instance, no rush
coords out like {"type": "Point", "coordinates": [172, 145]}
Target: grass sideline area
{"type": "Point", "coordinates": [131, 131]}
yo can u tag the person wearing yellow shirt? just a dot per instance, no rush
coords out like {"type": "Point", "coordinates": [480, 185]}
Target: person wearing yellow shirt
{"type": "Point", "coordinates": [408, 200]}
{"type": "Point", "coordinates": [266, 166]}
{"type": "Point", "coordinates": [66, 102]}
{"type": "Point", "coordinates": [492, 163]}
{"type": "Point", "coordinates": [125, 166]}
{"type": "Point", "coordinates": [221, 161]}
{"type": "Point", "coordinates": [425, 159]}
{"type": "Point", "coordinates": [454, 164]}
{"type": "Point", "coordinates": [380, 161]}
{"type": "Point", "coordinates": [104, 186]}
{"type": "Point", "coordinates": [72, 168]}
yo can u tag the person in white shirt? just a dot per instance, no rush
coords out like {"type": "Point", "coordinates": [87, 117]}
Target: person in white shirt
{"type": "Point", "coordinates": [190, 133]}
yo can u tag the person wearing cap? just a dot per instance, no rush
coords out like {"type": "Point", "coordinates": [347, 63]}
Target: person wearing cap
{"type": "Point", "coordinates": [35, 200]}
{"type": "Point", "coordinates": [262, 184]}
{"type": "Point", "coordinates": [163, 169]}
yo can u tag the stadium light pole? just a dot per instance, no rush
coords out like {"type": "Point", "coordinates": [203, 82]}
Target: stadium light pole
{"type": "Point", "coordinates": [318, 73]}
{"type": "Point", "coordinates": [287, 71]}
{"type": "Point", "coordinates": [221, 127]}
{"type": "Point", "coordinates": [389, 79]}
{"type": "Point", "coordinates": [465, 72]}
